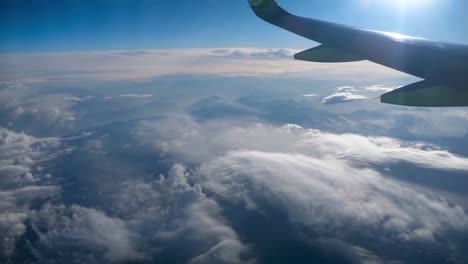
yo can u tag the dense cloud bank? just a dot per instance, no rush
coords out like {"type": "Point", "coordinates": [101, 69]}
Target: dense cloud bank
{"type": "Point", "coordinates": [338, 188]}
{"type": "Point", "coordinates": [335, 193]}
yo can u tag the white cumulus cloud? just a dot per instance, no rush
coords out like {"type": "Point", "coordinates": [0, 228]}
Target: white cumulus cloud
{"type": "Point", "coordinates": [330, 183]}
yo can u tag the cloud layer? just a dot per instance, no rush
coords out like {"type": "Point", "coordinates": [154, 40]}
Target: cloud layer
{"type": "Point", "coordinates": [182, 156]}
{"type": "Point", "coordinates": [333, 185]}
{"type": "Point", "coordinates": [141, 64]}
{"type": "Point", "coordinates": [22, 181]}
{"type": "Point", "coordinates": [143, 220]}
{"type": "Point", "coordinates": [334, 190]}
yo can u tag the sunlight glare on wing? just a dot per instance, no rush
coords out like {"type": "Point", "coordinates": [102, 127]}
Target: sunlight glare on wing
{"type": "Point", "coordinates": [398, 36]}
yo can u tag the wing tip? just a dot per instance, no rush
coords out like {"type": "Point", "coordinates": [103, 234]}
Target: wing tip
{"type": "Point", "coordinates": [427, 94]}
{"type": "Point", "coordinates": [265, 9]}
{"type": "Point", "coordinates": [262, 3]}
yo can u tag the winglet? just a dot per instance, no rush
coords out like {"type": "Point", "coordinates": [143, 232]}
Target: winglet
{"type": "Point", "coordinates": [266, 9]}
{"type": "Point", "coordinates": [427, 94]}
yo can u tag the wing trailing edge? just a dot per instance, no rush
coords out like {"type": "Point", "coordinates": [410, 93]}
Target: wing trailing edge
{"type": "Point", "coordinates": [326, 54]}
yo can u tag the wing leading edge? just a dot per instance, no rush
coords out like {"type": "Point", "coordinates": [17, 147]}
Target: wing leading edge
{"type": "Point", "coordinates": [443, 66]}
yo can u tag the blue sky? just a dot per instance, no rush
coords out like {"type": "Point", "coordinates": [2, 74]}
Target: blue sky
{"type": "Point", "coordinates": [30, 26]}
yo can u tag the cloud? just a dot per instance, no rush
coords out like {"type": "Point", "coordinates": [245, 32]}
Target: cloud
{"type": "Point", "coordinates": [222, 186]}
{"type": "Point", "coordinates": [382, 150]}
{"type": "Point", "coordinates": [338, 198]}
{"type": "Point", "coordinates": [19, 156]}
{"type": "Point", "coordinates": [381, 88]}
{"type": "Point", "coordinates": [131, 96]}
{"type": "Point", "coordinates": [179, 135]}
{"type": "Point", "coordinates": [253, 53]}
{"type": "Point", "coordinates": [343, 94]}
{"type": "Point", "coordinates": [30, 198]}
{"type": "Point", "coordinates": [148, 64]}
{"type": "Point", "coordinates": [436, 123]}
{"type": "Point", "coordinates": [135, 95]}
{"type": "Point", "coordinates": [343, 89]}
{"type": "Point", "coordinates": [179, 216]}
{"type": "Point", "coordinates": [15, 210]}
{"type": "Point", "coordinates": [330, 196]}
{"type": "Point", "coordinates": [79, 99]}
{"type": "Point", "coordinates": [339, 98]}
{"type": "Point", "coordinates": [334, 185]}
{"type": "Point", "coordinates": [94, 227]}
{"type": "Point", "coordinates": [140, 221]}
{"type": "Point", "coordinates": [19, 84]}
{"type": "Point", "coordinates": [227, 251]}
{"type": "Point", "coordinates": [315, 196]}
{"type": "Point", "coordinates": [23, 180]}
{"type": "Point", "coordinates": [68, 229]}
{"type": "Point", "coordinates": [329, 186]}
{"type": "Point", "coordinates": [22, 107]}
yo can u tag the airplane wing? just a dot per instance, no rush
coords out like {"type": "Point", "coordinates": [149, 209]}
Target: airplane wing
{"type": "Point", "coordinates": [443, 66]}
